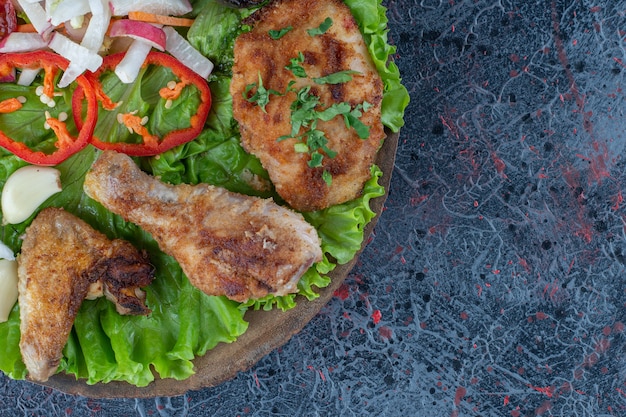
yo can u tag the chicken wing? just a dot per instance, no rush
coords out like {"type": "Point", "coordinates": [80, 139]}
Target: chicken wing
{"type": "Point", "coordinates": [62, 257]}
{"type": "Point", "coordinates": [226, 243]}
{"type": "Point", "coordinates": [305, 48]}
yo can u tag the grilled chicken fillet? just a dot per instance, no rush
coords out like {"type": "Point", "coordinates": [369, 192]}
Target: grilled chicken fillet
{"type": "Point", "coordinates": [226, 243]}
{"type": "Point", "coordinates": [340, 48]}
{"type": "Point", "coordinates": [62, 257]}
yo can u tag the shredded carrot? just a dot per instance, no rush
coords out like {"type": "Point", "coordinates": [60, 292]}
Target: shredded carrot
{"type": "Point", "coordinates": [172, 93]}
{"type": "Point", "coordinates": [133, 122]}
{"type": "Point", "coordinates": [60, 129]}
{"type": "Point", "coordinates": [26, 27]}
{"type": "Point", "coordinates": [10, 105]}
{"type": "Point", "coordinates": [160, 19]}
{"type": "Point", "coordinates": [48, 80]}
{"type": "Point", "coordinates": [29, 28]}
{"type": "Point", "coordinates": [103, 99]}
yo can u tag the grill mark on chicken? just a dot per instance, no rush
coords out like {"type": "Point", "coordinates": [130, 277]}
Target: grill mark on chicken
{"type": "Point", "coordinates": [63, 260]}
{"type": "Point", "coordinates": [340, 48]}
{"type": "Point", "coordinates": [226, 243]}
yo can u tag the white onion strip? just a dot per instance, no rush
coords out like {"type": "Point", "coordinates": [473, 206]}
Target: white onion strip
{"type": "Point", "coordinates": [128, 68]}
{"type": "Point", "coordinates": [22, 42]}
{"type": "Point", "coordinates": [164, 7]}
{"type": "Point", "coordinates": [182, 50]}
{"type": "Point", "coordinates": [37, 16]}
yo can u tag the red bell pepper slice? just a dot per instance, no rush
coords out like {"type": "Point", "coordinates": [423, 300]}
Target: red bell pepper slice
{"type": "Point", "coordinates": [66, 144]}
{"type": "Point", "coordinates": [149, 144]}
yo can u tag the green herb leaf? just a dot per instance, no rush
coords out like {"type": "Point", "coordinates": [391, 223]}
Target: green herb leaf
{"type": "Point", "coordinates": [295, 66]}
{"type": "Point", "coordinates": [316, 159]}
{"type": "Point", "coordinates": [333, 111]}
{"type": "Point", "coordinates": [301, 147]}
{"type": "Point", "coordinates": [327, 177]}
{"type": "Point", "coordinates": [361, 129]}
{"type": "Point", "coordinates": [336, 77]}
{"type": "Point", "coordinates": [262, 95]}
{"type": "Point", "coordinates": [277, 34]}
{"type": "Point", "coordinates": [321, 29]}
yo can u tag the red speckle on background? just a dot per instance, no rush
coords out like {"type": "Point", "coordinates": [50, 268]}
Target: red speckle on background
{"type": "Point", "coordinates": [385, 332]}
{"type": "Point", "coordinates": [458, 396]}
{"type": "Point", "coordinates": [619, 199]}
{"type": "Point", "coordinates": [595, 9]}
{"type": "Point", "coordinates": [598, 162]}
{"type": "Point", "coordinates": [343, 292]}
{"type": "Point", "coordinates": [618, 327]}
{"type": "Point", "coordinates": [464, 315]}
{"type": "Point", "coordinates": [602, 345]}
{"type": "Point", "coordinates": [499, 164]}
{"type": "Point", "coordinates": [540, 315]}
{"type": "Point", "coordinates": [548, 391]}
{"type": "Point", "coordinates": [376, 316]}
{"type": "Point", "coordinates": [547, 405]}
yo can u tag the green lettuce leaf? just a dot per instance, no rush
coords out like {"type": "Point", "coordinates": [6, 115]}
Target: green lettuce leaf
{"type": "Point", "coordinates": [372, 20]}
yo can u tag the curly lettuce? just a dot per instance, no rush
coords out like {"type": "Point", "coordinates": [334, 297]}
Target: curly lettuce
{"type": "Point", "coordinates": [185, 323]}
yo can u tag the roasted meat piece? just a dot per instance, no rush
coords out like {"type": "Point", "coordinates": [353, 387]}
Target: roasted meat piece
{"type": "Point", "coordinates": [226, 243]}
{"type": "Point", "coordinates": [262, 59]}
{"type": "Point", "coordinates": [62, 257]}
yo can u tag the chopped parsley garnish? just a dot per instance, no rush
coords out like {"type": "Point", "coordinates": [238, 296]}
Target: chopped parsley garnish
{"type": "Point", "coordinates": [262, 95]}
{"type": "Point", "coordinates": [277, 34]}
{"type": "Point", "coordinates": [353, 120]}
{"type": "Point", "coordinates": [307, 111]}
{"type": "Point", "coordinates": [336, 77]}
{"type": "Point", "coordinates": [295, 67]}
{"type": "Point", "coordinates": [305, 116]}
{"type": "Point", "coordinates": [321, 29]}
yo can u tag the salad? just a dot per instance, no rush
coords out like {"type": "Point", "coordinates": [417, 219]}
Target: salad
{"type": "Point", "coordinates": [185, 323]}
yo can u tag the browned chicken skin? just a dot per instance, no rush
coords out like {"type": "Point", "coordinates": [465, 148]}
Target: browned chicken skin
{"type": "Point", "coordinates": [61, 258]}
{"type": "Point", "coordinates": [226, 243]}
{"type": "Point", "coordinates": [341, 48]}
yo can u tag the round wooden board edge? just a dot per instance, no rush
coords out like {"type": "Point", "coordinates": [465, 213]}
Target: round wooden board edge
{"type": "Point", "coordinates": [267, 331]}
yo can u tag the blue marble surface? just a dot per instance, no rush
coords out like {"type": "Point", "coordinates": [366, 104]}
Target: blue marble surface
{"type": "Point", "coordinates": [495, 282]}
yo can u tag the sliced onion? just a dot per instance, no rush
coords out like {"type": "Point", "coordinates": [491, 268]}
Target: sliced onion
{"type": "Point", "coordinates": [6, 252]}
{"type": "Point", "coordinates": [165, 7]}
{"type": "Point", "coordinates": [22, 42]}
{"type": "Point", "coordinates": [80, 58]}
{"type": "Point", "coordinates": [73, 70]}
{"type": "Point", "coordinates": [182, 50]}
{"type": "Point", "coordinates": [27, 76]}
{"type": "Point", "coordinates": [37, 16]}
{"type": "Point", "coordinates": [75, 32]}
{"type": "Point", "coordinates": [128, 68]}
{"type": "Point", "coordinates": [98, 25]}
{"type": "Point", "coordinates": [59, 11]}
{"type": "Point", "coordinates": [72, 51]}
{"type": "Point", "coordinates": [142, 31]}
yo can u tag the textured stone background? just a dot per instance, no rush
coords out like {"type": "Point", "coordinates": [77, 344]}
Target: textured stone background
{"type": "Point", "coordinates": [495, 282]}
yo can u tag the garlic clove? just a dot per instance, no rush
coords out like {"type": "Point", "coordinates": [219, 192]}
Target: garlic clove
{"type": "Point", "coordinates": [8, 287]}
{"type": "Point", "coordinates": [6, 252]}
{"type": "Point", "coordinates": [26, 189]}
